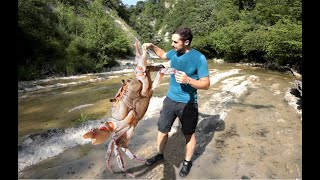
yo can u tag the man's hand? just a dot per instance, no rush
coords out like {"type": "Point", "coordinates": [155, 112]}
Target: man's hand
{"type": "Point", "coordinates": [159, 52]}
{"type": "Point", "coordinates": [146, 46]}
{"type": "Point", "coordinates": [181, 77]}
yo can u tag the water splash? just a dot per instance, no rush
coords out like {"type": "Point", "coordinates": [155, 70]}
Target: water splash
{"type": "Point", "coordinates": [216, 76]}
{"type": "Point", "coordinates": [41, 146]}
{"type": "Point", "coordinates": [29, 86]}
{"type": "Point", "coordinates": [232, 88]}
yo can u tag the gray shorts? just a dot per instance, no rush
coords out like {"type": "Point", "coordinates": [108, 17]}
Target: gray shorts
{"type": "Point", "coordinates": [186, 112]}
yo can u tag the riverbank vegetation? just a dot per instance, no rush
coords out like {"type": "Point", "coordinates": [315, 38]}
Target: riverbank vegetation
{"type": "Point", "coordinates": [65, 37]}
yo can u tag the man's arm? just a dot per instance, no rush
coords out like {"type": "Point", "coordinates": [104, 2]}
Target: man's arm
{"type": "Point", "coordinates": [202, 83]}
{"type": "Point", "coordinates": [159, 52]}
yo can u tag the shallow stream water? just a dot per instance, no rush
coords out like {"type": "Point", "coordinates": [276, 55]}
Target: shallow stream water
{"type": "Point", "coordinates": [249, 126]}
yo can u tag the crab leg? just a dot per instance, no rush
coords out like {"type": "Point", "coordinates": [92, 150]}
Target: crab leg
{"type": "Point", "coordinates": [160, 75]}
{"type": "Point", "coordinates": [118, 136]}
{"type": "Point", "coordinates": [157, 80]}
{"type": "Point", "coordinates": [126, 150]}
{"type": "Point", "coordinates": [108, 155]}
{"type": "Point", "coordinates": [131, 155]}
{"type": "Point", "coordinates": [141, 59]}
{"type": "Point", "coordinates": [138, 53]}
{"type": "Point", "coordinates": [120, 160]}
{"type": "Point", "coordinates": [118, 157]}
{"type": "Point", "coordinates": [113, 144]}
{"type": "Point", "coordinates": [140, 70]}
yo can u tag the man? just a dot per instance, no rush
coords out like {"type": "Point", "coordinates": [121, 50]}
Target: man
{"type": "Point", "coordinates": [181, 101]}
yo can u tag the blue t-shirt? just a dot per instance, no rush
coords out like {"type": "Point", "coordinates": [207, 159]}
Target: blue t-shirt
{"type": "Point", "coordinates": [195, 65]}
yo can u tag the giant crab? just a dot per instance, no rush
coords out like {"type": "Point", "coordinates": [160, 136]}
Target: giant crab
{"type": "Point", "coordinates": [129, 106]}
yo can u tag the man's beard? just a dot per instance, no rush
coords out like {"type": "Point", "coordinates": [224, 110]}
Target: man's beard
{"type": "Point", "coordinates": [181, 50]}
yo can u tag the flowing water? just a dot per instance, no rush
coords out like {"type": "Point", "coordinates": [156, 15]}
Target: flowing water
{"type": "Point", "coordinates": [249, 127]}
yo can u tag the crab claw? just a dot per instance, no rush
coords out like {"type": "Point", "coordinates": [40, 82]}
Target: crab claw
{"type": "Point", "coordinates": [97, 136]}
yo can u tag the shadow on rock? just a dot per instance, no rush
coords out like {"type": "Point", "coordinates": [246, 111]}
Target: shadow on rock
{"type": "Point", "coordinates": [151, 172]}
{"type": "Point", "coordinates": [205, 132]}
{"type": "Point", "coordinates": [174, 151]}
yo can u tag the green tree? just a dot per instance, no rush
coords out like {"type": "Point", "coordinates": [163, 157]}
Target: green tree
{"type": "Point", "coordinates": [41, 43]}
{"type": "Point", "coordinates": [66, 37]}
{"type": "Point", "coordinates": [284, 43]}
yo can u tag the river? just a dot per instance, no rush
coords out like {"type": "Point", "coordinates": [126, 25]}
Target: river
{"type": "Point", "coordinates": [250, 126]}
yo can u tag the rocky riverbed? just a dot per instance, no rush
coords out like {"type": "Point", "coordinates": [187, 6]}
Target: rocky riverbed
{"type": "Point", "coordinates": [249, 127]}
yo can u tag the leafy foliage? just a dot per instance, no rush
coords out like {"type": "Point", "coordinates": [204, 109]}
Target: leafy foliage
{"type": "Point", "coordinates": [67, 37]}
{"type": "Point", "coordinates": [78, 36]}
{"type": "Point", "coordinates": [284, 42]}
{"type": "Point", "coordinates": [237, 30]}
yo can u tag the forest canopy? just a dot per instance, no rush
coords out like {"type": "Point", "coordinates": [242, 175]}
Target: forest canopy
{"type": "Point", "coordinates": [66, 37]}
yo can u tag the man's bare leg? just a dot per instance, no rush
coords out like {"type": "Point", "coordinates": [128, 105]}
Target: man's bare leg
{"type": "Point", "coordinates": [162, 140]}
{"type": "Point", "coordinates": [190, 146]}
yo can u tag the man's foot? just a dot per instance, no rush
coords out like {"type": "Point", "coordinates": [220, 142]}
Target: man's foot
{"type": "Point", "coordinates": [154, 159]}
{"type": "Point", "coordinates": [186, 166]}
